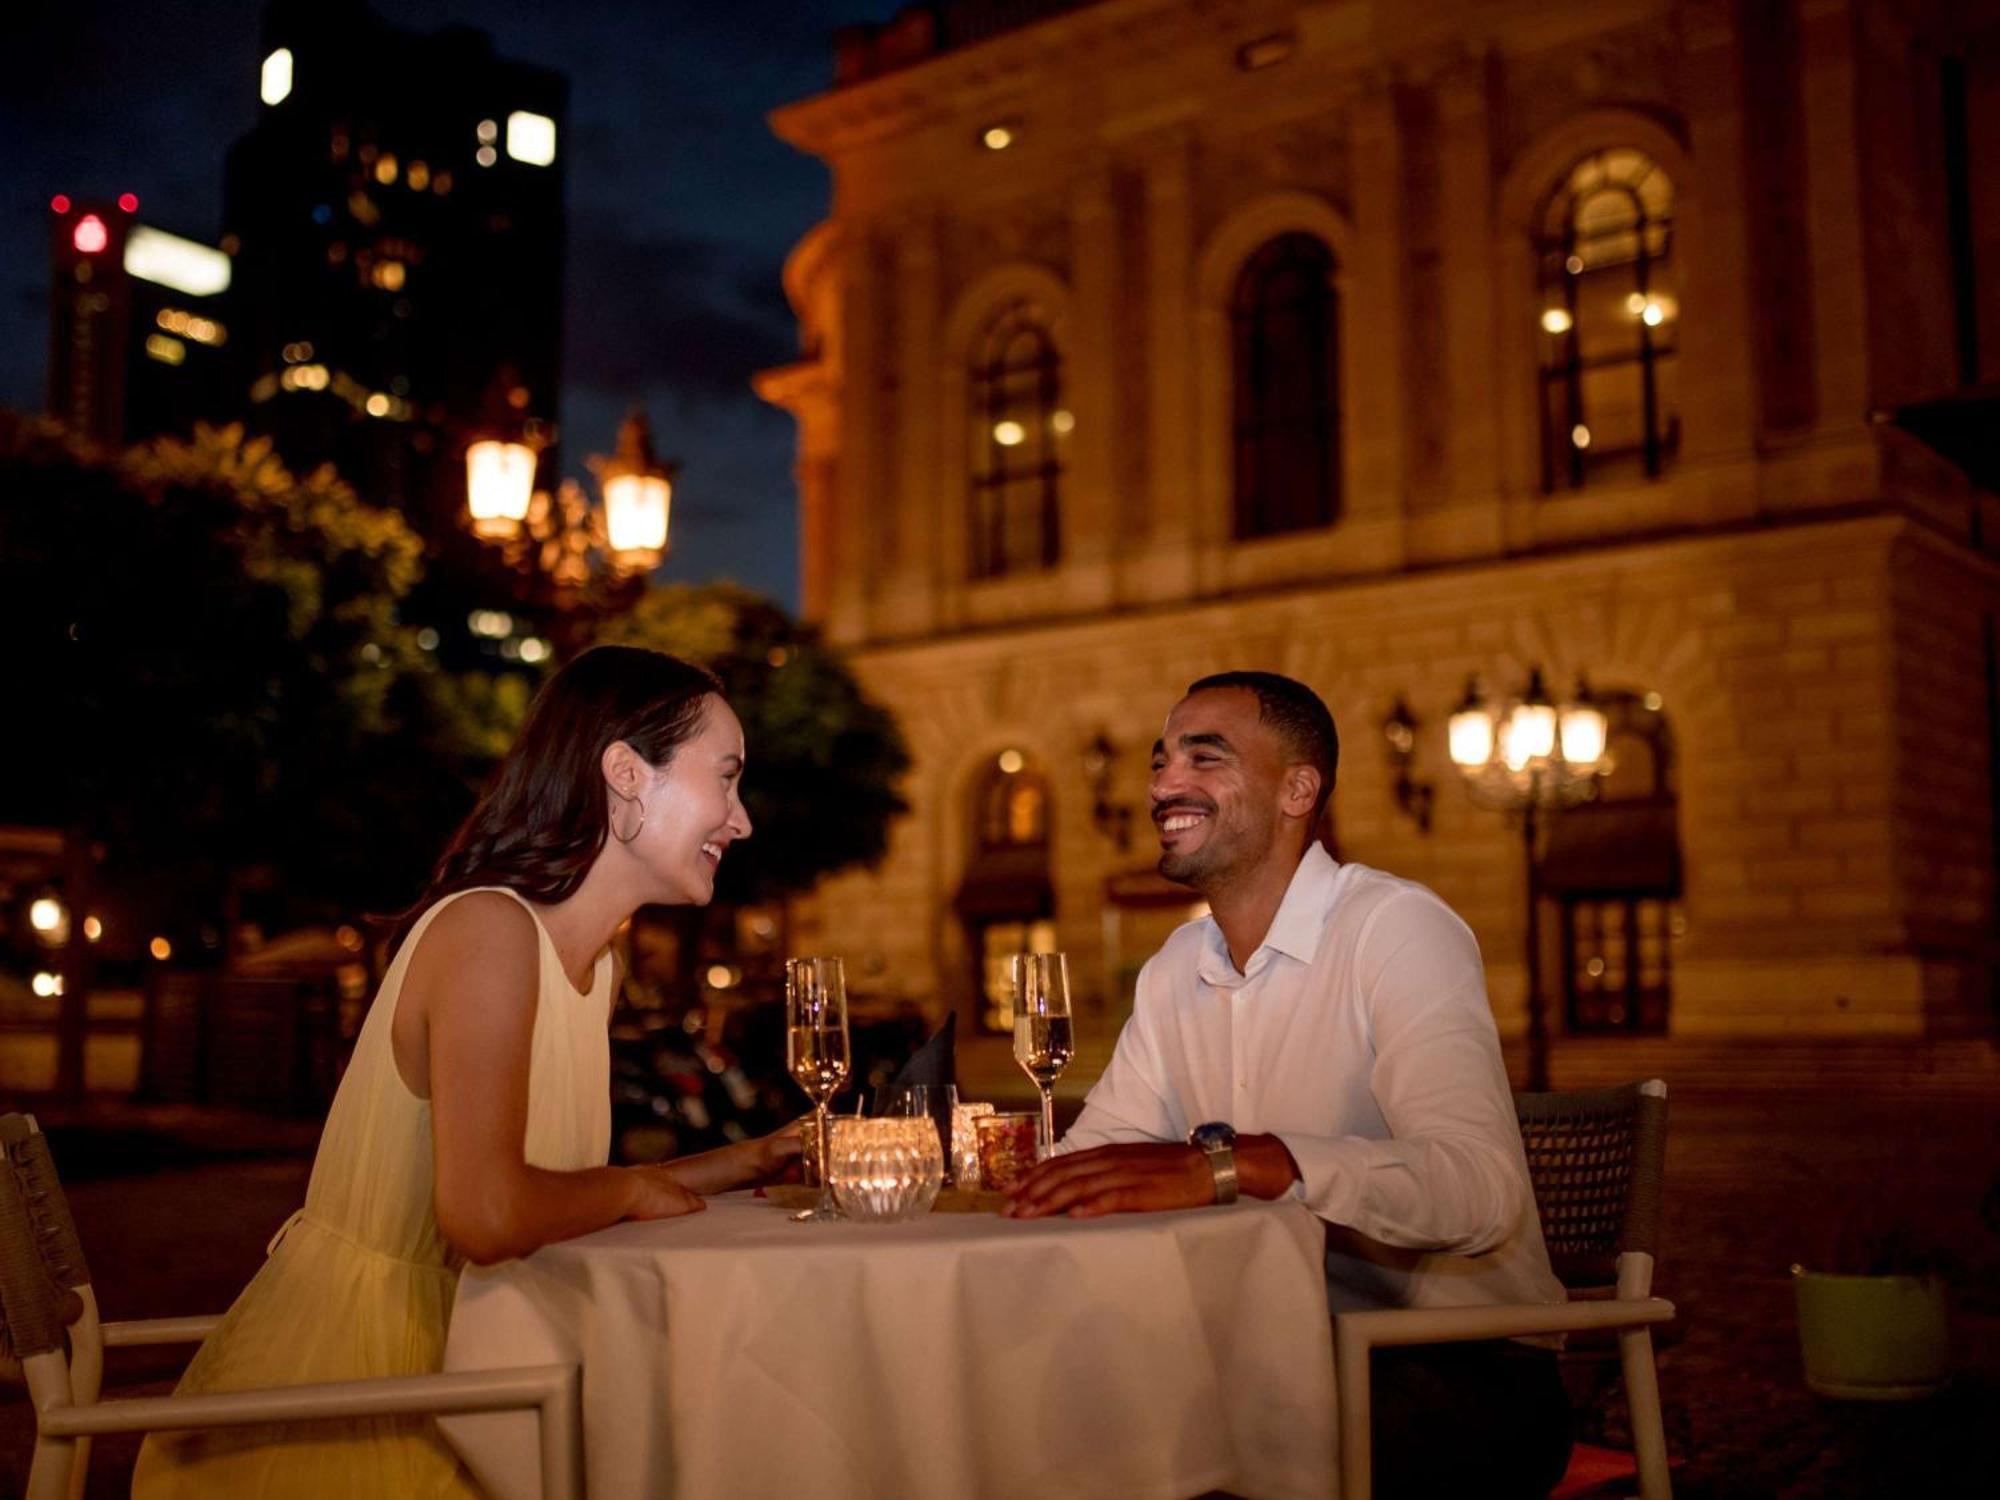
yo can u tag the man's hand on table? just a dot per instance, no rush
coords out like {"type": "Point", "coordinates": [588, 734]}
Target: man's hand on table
{"type": "Point", "coordinates": [1142, 1178]}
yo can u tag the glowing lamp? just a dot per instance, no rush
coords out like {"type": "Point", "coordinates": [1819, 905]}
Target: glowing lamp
{"type": "Point", "coordinates": [638, 494]}
{"type": "Point", "coordinates": [499, 484]}
{"type": "Point", "coordinates": [90, 236]}
{"type": "Point", "coordinates": [1584, 730]}
{"type": "Point", "coordinates": [1530, 731]}
{"type": "Point", "coordinates": [128, 203]}
{"type": "Point", "coordinates": [1471, 731]}
{"type": "Point", "coordinates": [59, 204]}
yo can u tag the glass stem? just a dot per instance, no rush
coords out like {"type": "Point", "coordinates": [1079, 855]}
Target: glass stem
{"type": "Point", "coordinates": [1048, 1121]}
{"type": "Point", "coordinates": [821, 1119]}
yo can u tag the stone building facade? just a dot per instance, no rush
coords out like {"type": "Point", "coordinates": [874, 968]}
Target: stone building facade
{"type": "Point", "coordinates": [1393, 344]}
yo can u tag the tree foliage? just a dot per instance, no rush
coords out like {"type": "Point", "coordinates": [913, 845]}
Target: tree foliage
{"type": "Point", "coordinates": [824, 760]}
{"type": "Point", "coordinates": [211, 675]}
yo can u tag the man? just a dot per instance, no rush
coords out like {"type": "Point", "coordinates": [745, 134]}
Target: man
{"type": "Point", "coordinates": [1324, 1035]}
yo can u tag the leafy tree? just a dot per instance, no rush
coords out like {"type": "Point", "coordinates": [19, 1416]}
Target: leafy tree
{"type": "Point", "coordinates": [824, 759]}
{"type": "Point", "coordinates": [212, 677]}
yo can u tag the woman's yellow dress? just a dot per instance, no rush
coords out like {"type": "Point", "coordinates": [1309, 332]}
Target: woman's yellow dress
{"type": "Point", "coordinates": [360, 1281]}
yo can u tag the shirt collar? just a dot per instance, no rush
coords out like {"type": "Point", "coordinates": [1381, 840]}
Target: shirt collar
{"type": "Point", "coordinates": [1295, 931]}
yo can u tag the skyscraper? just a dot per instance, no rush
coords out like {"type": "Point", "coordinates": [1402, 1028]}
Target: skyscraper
{"type": "Point", "coordinates": [137, 331]}
{"type": "Point", "coordinates": [396, 219]}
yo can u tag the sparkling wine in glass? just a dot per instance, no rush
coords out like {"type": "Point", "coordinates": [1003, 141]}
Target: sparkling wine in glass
{"type": "Point", "coordinates": [1043, 1044]}
{"type": "Point", "coordinates": [816, 1049]}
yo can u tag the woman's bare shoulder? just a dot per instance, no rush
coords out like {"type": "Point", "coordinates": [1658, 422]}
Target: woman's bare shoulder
{"type": "Point", "coordinates": [482, 933]}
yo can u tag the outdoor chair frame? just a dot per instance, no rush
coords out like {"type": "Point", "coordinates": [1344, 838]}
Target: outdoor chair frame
{"type": "Point", "coordinates": [49, 1324]}
{"type": "Point", "coordinates": [1597, 1160]}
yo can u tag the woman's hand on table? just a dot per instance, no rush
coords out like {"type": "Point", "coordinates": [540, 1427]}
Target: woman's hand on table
{"type": "Point", "coordinates": [743, 1164]}
{"type": "Point", "coordinates": [658, 1194]}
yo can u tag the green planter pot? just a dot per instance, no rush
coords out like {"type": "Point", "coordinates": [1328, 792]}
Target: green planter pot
{"type": "Point", "coordinates": [1872, 1338]}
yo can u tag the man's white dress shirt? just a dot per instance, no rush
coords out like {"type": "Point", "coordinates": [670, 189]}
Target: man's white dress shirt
{"type": "Point", "coordinates": [1359, 1034]}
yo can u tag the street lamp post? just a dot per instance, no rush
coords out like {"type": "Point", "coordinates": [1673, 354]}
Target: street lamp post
{"type": "Point", "coordinates": [584, 556]}
{"type": "Point", "coordinates": [1530, 757]}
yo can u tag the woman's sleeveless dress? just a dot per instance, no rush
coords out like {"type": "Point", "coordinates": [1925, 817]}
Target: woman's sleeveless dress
{"type": "Point", "coordinates": [359, 1282]}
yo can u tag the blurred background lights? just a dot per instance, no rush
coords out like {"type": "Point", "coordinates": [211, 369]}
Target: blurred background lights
{"type": "Point", "coordinates": [531, 138]}
{"type": "Point", "coordinates": [128, 202]}
{"type": "Point", "coordinates": [997, 138]}
{"type": "Point", "coordinates": [90, 235]}
{"type": "Point", "coordinates": [161, 949]}
{"type": "Point", "coordinates": [1009, 434]}
{"type": "Point", "coordinates": [275, 82]}
{"type": "Point", "coordinates": [47, 985]}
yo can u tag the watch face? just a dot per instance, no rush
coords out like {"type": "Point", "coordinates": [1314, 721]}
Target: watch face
{"type": "Point", "coordinates": [1212, 1135]}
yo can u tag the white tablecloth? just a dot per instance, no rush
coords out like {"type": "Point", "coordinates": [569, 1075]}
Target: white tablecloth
{"type": "Point", "coordinates": [736, 1354]}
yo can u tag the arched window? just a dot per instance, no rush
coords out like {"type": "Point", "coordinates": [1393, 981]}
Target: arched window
{"type": "Point", "coordinates": [1285, 337]}
{"type": "Point", "coordinates": [1019, 428]}
{"type": "Point", "coordinates": [1609, 314]}
{"type": "Point", "coordinates": [1006, 899]}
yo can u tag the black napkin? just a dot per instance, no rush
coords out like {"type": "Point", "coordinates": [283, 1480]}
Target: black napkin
{"type": "Point", "coordinates": [936, 1062]}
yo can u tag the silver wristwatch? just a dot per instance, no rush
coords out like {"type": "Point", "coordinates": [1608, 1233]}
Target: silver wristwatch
{"type": "Point", "coordinates": [1217, 1142]}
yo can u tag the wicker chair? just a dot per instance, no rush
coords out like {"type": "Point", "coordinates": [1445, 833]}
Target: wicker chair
{"type": "Point", "coordinates": [1596, 1160]}
{"type": "Point", "coordinates": [49, 1326]}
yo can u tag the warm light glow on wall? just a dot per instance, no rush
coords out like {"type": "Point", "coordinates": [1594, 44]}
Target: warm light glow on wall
{"type": "Point", "coordinates": [276, 81]}
{"type": "Point", "coordinates": [167, 259]}
{"type": "Point", "coordinates": [531, 138]}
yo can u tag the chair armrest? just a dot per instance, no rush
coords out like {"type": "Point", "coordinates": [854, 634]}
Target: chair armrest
{"type": "Point", "coordinates": [141, 1332]}
{"type": "Point", "coordinates": [402, 1395]}
{"type": "Point", "coordinates": [1380, 1327]}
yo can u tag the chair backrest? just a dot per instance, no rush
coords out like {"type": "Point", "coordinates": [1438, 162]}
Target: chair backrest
{"type": "Point", "coordinates": [41, 1260]}
{"type": "Point", "coordinates": [1597, 1159]}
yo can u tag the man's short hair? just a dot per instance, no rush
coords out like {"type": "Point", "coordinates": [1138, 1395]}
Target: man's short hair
{"type": "Point", "coordinates": [1296, 715]}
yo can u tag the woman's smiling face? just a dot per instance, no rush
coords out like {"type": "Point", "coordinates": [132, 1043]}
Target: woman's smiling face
{"type": "Point", "coordinates": [694, 810]}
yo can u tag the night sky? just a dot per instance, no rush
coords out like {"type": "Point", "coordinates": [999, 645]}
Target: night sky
{"type": "Point", "coordinates": [682, 206]}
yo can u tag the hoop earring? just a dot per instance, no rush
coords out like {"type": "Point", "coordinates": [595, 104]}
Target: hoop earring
{"type": "Point", "coordinates": [626, 838]}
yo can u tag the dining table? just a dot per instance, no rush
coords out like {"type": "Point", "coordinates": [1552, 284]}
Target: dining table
{"type": "Point", "coordinates": [736, 1352]}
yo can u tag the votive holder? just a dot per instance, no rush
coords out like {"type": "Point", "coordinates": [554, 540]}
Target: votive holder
{"type": "Point", "coordinates": [1006, 1148]}
{"type": "Point", "coordinates": [884, 1170]}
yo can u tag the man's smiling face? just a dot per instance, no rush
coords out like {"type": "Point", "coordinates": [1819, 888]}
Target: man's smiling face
{"type": "Point", "coordinates": [1219, 784]}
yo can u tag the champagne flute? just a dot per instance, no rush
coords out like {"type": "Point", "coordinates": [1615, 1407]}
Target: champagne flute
{"type": "Point", "coordinates": [816, 1049]}
{"type": "Point", "coordinates": [1042, 1041]}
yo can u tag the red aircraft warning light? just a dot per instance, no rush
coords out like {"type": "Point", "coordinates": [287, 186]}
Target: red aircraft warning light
{"type": "Point", "coordinates": [129, 202]}
{"type": "Point", "coordinates": [59, 204]}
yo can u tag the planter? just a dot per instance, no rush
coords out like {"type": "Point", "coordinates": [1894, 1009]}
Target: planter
{"type": "Point", "coordinates": [1872, 1338]}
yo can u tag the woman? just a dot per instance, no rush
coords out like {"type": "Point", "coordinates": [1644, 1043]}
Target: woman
{"type": "Point", "coordinates": [474, 1121]}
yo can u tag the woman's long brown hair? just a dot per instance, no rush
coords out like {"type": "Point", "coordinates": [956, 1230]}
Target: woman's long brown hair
{"type": "Point", "coordinates": [540, 823]}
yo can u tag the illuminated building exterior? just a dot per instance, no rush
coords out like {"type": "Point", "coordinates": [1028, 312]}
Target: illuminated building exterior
{"type": "Point", "coordinates": [396, 218]}
{"type": "Point", "coordinates": [138, 329]}
{"type": "Point", "coordinates": [1389, 345]}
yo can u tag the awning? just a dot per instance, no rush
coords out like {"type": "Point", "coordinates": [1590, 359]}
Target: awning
{"type": "Point", "coordinates": [1613, 848]}
{"type": "Point", "coordinates": [1008, 882]}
